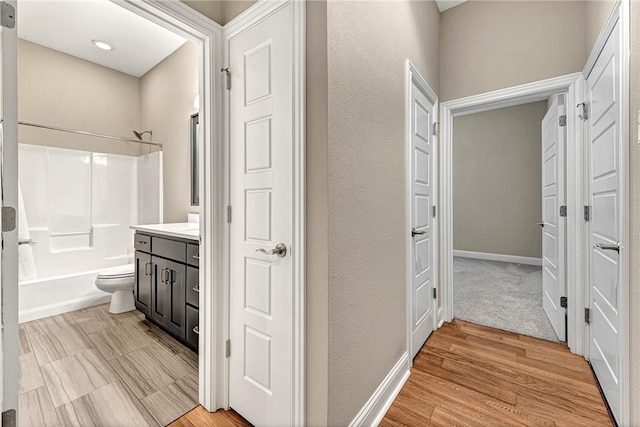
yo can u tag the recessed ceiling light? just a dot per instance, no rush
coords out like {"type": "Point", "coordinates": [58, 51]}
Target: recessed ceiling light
{"type": "Point", "coordinates": [101, 45]}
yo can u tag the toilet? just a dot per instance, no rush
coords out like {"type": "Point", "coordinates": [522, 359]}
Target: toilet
{"type": "Point", "coordinates": [118, 281]}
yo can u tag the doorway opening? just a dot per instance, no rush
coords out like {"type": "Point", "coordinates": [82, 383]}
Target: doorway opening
{"type": "Point", "coordinates": [509, 218]}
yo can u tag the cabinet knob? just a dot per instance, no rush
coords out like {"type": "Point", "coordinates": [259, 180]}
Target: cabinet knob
{"type": "Point", "coordinates": [196, 288]}
{"type": "Point", "coordinates": [147, 269]}
{"type": "Point", "coordinates": [196, 330]}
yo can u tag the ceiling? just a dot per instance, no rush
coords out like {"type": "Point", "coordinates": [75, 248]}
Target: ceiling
{"type": "Point", "coordinates": [448, 4]}
{"type": "Point", "coordinates": [70, 26]}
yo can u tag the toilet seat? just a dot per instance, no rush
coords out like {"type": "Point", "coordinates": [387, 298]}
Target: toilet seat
{"type": "Point", "coordinates": [119, 272]}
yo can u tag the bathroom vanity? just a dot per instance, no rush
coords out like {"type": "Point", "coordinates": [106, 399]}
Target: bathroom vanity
{"type": "Point", "coordinates": [167, 280]}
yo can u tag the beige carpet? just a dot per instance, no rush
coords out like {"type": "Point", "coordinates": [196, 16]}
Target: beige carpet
{"type": "Point", "coordinates": [501, 295]}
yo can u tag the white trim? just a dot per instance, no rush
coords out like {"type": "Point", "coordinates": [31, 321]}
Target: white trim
{"type": "Point", "coordinates": [498, 257]}
{"type": "Point", "coordinates": [252, 16]}
{"type": "Point", "coordinates": [531, 92]}
{"type": "Point", "coordinates": [381, 400]}
{"type": "Point", "coordinates": [181, 19]}
{"type": "Point", "coordinates": [412, 75]}
{"type": "Point", "coordinates": [96, 298]}
{"type": "Point", "coordinates": [621, 13]}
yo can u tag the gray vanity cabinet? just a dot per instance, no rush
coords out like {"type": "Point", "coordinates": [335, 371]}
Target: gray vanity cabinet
{"type": "Point", "coordinates": [165, 285]}
{"type": "Point", "coordinates": [142, 290]}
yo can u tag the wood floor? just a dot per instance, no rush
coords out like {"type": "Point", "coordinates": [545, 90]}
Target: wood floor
{"type": "Point", "coordinates": [472, 375]}
{"type": "Point", "coordinates": [93, 368]}
{"type": "Point", "coordinates": [468, 374]}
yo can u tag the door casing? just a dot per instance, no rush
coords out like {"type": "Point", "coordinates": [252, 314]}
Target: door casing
{"type": "Point", "coordinates": [413, 77]}
{"type": "Point", "coordinates": [572, 85]}
{"type": "Point", "coordinates": [257, 13]}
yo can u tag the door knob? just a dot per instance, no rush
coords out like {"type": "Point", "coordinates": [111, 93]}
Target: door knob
{"type": "Point", "coordinates": [26, 242]}
{"type": "Point", "coordinates": [280, 250]}
{"type": "Point", "coordinates": [414, 232]}
{"type": "Point", "coordinates": [615, 247]}
{"type": "Point", "coordinates": [541, 224]}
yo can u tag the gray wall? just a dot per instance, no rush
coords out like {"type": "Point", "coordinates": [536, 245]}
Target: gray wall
{"type": "Point", "coordinates": [220, 11]}
{"type": "Point", "coordinates": [317, 215]}
{"type": "Point", "coordinates": [167, 94]}
{"type": "Point", "coordinates": [368, 43]}
{"type": "Point", "coordinates": [61, 90]}
{"type": "Point", "coordinates": [489, 45]}
{"type": "Point", "coordinates": [497, 181]}
{"type": "Point", "coordinates": [596, 14]}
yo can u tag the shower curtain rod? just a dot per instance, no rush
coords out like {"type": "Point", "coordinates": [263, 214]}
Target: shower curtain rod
{"type": "Point", "coordinates": [97, 135]}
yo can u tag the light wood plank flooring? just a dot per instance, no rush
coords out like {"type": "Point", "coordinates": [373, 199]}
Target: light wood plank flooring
{"type": "Point", "coordinates": [468, 374]}
{"type": "Point", "coordinates": [90, 367]}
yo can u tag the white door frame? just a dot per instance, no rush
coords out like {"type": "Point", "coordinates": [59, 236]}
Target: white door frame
{"type": "Point", "coordinates": [412, 75]}
{"type": "Point", "coordinates": [573, 86]}
{"type": "Point", "coordinates": [9, 349]}
{"type": "Point", "coordinates": [620, 13]}
{"type": "Point", "coordinates": [252, 16]}
{"type": "Point", "coordinates": [179, 18]}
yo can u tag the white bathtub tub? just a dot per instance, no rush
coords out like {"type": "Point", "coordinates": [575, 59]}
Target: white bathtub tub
{"type": "Point", "coordinates": [55, 295]}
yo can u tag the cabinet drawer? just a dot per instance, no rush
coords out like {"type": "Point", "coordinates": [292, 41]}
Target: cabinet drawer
{"type": "Point", "coordinates": [142, 242]}
{"type": "Point", "coordinates": [192, 327]}
{"type": "Point", "coordinates": [169, 249]}
{"type": "Point", "coordinates": [193, 286]}
{"type": "Point", "coordinates": [193, 255]}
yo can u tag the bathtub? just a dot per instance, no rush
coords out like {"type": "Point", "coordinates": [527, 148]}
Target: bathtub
{"type": "Point", "coordinates": [55, 295]}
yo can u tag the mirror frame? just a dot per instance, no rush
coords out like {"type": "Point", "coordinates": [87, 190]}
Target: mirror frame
{"type": "Point", "coordinates": [194, 121]}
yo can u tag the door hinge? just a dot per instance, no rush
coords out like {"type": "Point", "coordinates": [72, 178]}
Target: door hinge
{"type": "Point", "coordinates": [8, 218]}
{"type": "Point", "coordinates": [9, 418]}
{"type": "Point", "coordinates": [563, 210]}
{"type": "Point", "coordinates": [435, 293]}
{"type": "Point", "coordinates": [563, 302]}
{"type": "Point", "coordinates": [587, 315]}
{"type": "Point", "coordinates": [8, 15]}
{"type": "Point", "coordinates": [585, 110]}
{"type": "Point", "coordinates": [227, 349]}
{"type": "Point", "coordinates": [227, 77]}
{"type": "Point", "coordinates": [229, 214]}
{"type": "Point", "coordinates": [433, 210]}
{"type": "Point", "coordinates": [587, 213]}
{"type": "Point", "coordinates": [562, 120]}
{"type": "Point", "coordinates": [435, 128]}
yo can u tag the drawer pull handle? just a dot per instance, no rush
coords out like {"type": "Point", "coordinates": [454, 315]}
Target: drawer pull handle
{"type": "Point", "coordinates": [147, 269]}
{"type": "Point", "coordinates": [196, 256]}
{"type": "Point", "coordinates": [142, 242]}
{"type": "Point", "coordinates": [162, 275]}
{"type": "Point", "coordinates": [196, 288]}
{"type": "Point", "coordinates": [196, 330]}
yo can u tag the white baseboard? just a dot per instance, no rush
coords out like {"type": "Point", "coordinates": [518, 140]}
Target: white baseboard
{"type": "Point", "coordinates": [63, 307]}
{"type": "Point", "coordinates": [498, 257]}
{"type": "Point", "coordinates": [380, 401]}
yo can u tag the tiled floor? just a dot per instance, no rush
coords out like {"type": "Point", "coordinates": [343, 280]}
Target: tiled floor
{"type": "Point", "coordinates": [93, 368]}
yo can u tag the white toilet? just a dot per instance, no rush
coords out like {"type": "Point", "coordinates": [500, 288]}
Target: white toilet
{"type": "Point", "coordinates": [118, 281]}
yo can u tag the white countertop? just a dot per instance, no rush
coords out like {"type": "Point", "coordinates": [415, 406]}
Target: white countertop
{"type": "Point", "coordinates": [184, 230]}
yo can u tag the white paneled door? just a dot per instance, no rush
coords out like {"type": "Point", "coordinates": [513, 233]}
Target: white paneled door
{"type": "Point", "coordinates": [552, 224]}
{"type": "Point", "coordinates": [9, 351]}
{"type": "Point", "coordinates": [422, 254]}
{"type": "Point", "coordinates": [261, 273]}
{"type": "Point", "coordinates": [604, 94]}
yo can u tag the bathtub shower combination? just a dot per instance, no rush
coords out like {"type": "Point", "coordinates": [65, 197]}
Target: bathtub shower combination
{"type": "Point", "coordinates": [74, 216]}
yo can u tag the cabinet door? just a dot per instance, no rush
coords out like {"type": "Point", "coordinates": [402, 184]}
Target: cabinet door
{"type": "Point", "coordinates": [142, 288]}
{"type": "Point", "coordinates": [159, 291]}
{"type": "Point", "coordinates": [176, 295]}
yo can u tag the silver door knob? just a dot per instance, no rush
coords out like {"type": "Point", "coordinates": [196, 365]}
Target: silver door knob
{"type": "Point", "coordinates": [280, 250]}
{"type": "Point", "coordinates": [26, 242]}
{"type": "Point", "coordinates": [541, 224]}
{"type": "Point", "coordinates": [414, 232]}
{"type": "Point", "coordinates": [615, 247]}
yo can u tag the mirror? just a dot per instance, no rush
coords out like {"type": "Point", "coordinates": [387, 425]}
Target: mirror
{"type": "Point", "coordinates": [195, 200]}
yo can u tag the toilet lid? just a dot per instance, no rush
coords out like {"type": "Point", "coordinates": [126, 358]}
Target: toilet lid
{"type": "Point", "coordinates": [119, 271]}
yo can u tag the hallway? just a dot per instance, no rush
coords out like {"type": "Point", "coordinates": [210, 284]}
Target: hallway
{"type": "Point", "coordinates": [468, 374]}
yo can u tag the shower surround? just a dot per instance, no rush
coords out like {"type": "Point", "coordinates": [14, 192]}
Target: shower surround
{"type": "Point", "coordinates": [77, 207]}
